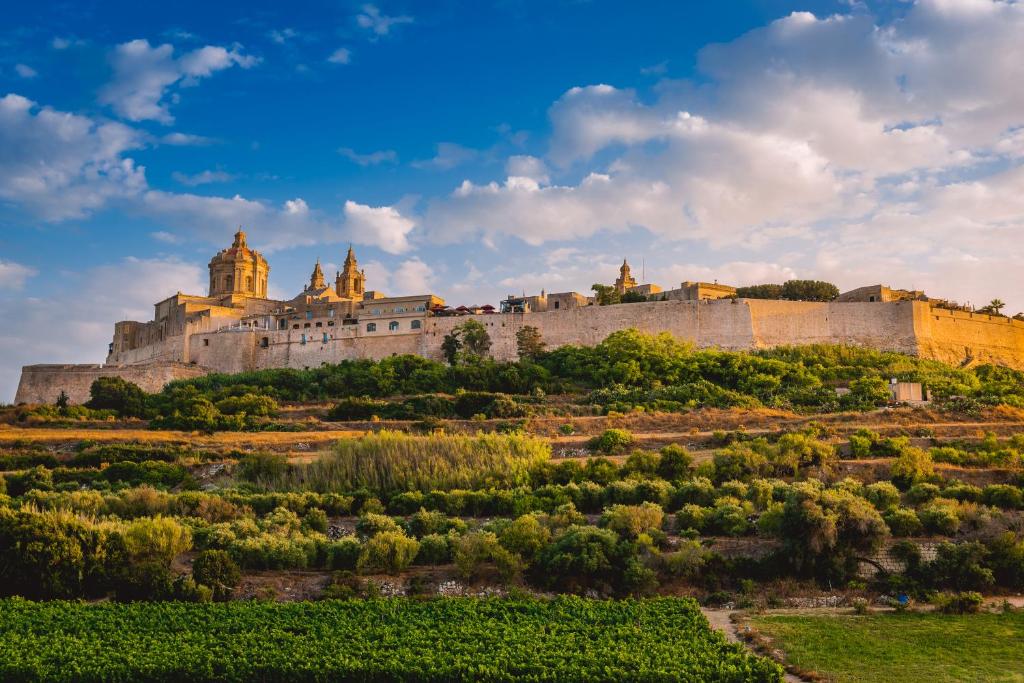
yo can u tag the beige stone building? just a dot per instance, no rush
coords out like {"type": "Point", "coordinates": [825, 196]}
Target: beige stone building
{"type": "Point", "coordinates": [235, 327]}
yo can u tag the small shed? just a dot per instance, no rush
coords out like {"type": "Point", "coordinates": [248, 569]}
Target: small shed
{"type": "Point", "coordinates": [907, 392]}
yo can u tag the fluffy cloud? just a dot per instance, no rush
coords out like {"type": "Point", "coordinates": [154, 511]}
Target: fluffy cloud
{"type": "Point", "coordinates": [143, 75]}
{"type": "Point", "coordinates": [448, 156]}
{"type": "Point", "coordinates": [836, 146]}
{"type": "Point", "coordinates": [291, 224]}
{"type": "Point", "coordinates": [13, 275]}
{"type": "Point", "coordinates": [340, 56]}
{"type": "Point", "coordinates": [411, 276]}
{"type": "Point", "coordinates": [61, 165]}
{"type": "Point", "coordinates": [202, 178]}
{"type": "Point", "coordinates": [380, 24]}
{"type": "Point", "coordinates": [379, 226]}
{"type": "Point", "coordinates": [25, 71]}
{"type": "Point", "coordinates": [63, 334]}
{"type": "Point", "coordinates": [370, 158]}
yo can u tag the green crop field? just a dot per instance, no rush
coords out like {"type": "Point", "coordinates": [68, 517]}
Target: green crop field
{"type": "Point", "coordinates": [567, 639]}
{"type": "Point", "coordinates": [902, 648]}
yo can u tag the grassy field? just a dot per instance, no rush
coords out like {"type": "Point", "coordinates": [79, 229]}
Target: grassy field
{"type": "Point", "coordinates": [898, 648]}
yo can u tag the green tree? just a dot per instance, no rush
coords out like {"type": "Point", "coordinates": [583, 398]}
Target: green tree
{"type": "Point", "coordinates": [475, 340]}
{"type": "Point", "coordinates": [451, 345]}
{"type": "Point", "coordinates": [809, 290]}
{"type": "Point", "coordinates": [115, 393]}
{"type": "Point", "coordinates": [994, 307]}
{"type": "Point", "coordinates": [632, 297]}
{"type": "Point", "coordinates": [216, 569]}
{"type": "Point", "coordinates": [63, 401]}
{"type": "Point", "coordinates": [529, 343]}
{"type": "Point", "coordinates": [388, 551]}
{"type": "Point", "coordinates": [766, 291]}
{"type": "Point", "coordinates": [606, 295]}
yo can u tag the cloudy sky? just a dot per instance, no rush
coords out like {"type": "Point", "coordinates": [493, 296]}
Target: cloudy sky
{"type": "Point", "coordinates": [476, 149]}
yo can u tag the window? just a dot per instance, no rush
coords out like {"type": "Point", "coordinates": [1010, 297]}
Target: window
{"type": "Point", "coordinates": [399, 309]}
{"type": "Point", "coordinates": [303, 338]}
{"type": "Point", "coordinates": [309, 315]}
{"type": "Point", "coordinates": [206, 342]}
{"type": "Point", "coordinates": [416, 324]}
{"type": "Point", "coordinates": [330, 323]}
{"type": "Point", "coordinates": [228, 281]}
{"type": "Point", "coordinates": [871, 298]}
{"type": "Point", "coordinates": [306, 325]}
{"type": "Point", "coordinates": [248, 283]}
{"type": "Point", "coordinates": [295, 326]}
{"type": "Point", "coordinates": [330, 313]}
{"type": "Point", "coordinates": [282, 324]}
{"type": "Point", "coordinates": [556, 303]}
{"type": "Point", "coordinates": [265, 342]}
{"type": "Point", "coordinates": [376, 311]}
{"type": "Point", "coordinates": [325, 337]}
{"type": "Point", "coordinates": [421, 308]}
{"type": "Point", "coordinates": [319, 324]}
{"type": "Point", "coordinates": [393, 325]}
{"type": "Point", "coordinates": [371, 327]}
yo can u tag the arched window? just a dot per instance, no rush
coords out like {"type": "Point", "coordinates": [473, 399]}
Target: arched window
{"type": "Point", "coordinates": [393, 325]}
{"type": "Point", "coordinates": [371, 327]}
{"type": "Point", "coordinates": [228, 282]}
{"type": "Point", "coordinates": [416, 324]}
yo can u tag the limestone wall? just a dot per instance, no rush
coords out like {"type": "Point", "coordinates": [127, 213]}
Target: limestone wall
{"type": "Point", "coordinates": [43, 383]}
{"type": "Point", "coordinates": [960, 337]}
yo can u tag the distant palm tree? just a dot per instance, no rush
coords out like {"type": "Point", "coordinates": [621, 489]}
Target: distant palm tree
{"type": "Point", "coordinates": [995, 306]}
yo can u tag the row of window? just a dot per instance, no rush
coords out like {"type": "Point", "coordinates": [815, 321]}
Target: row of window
{"type": "Point", "coordinates": [398, 309]}
{"type": "Point", "coordinates": [394, 325]}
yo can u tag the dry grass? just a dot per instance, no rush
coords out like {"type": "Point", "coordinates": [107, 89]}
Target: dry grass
{"type": "Point", "coordinates": [239, 440]}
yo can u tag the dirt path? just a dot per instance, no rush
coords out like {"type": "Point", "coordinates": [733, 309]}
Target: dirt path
{"type": "Point", "coordinates": [721, 620]}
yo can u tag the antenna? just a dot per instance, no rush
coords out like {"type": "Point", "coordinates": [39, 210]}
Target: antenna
{"type": "Point", "coordinates": [643, 269]}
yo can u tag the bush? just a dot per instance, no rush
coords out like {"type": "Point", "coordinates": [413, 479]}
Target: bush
{"type": "Point", "coordinates": [968, 602]}
{"type": "Point", "coordinates": [882, 494]}
{"type": "Point", "coordinates": [675, 463]}
{"type": "Point", "coordinates": [474, 549]}
{"type": "Point", "coordinates": [611, 441]}
{"type": "Point", "coordinates": [114, 393]}
{"type": "Point", "coordinates": [587, 558]}
{"type": "Point", "coordinates": [262, 467]}
{"type": "Point", "coordinates": [216, 569]}
{"type": "Point", "coordinates": [633, 520]}
{"type": "Point", "coordinates": [389, 551]}
{"type": "Point", "coordinates": [343, 553]}
{"type": "Point", "coordinates": [912, 466]}
{"type": "Point", "coordinates": [371, 524]}
{"type": "Point", "coordinates": [903, 522]}
{"type": "Point", "coordinates": [525, 536]}
{"type": "Point", "coordinates": [434, 549]}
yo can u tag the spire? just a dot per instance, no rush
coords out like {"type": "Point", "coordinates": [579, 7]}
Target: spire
{"type": "Point", "coordinates": [239, 242]}
{"type": "Point", "coordinates": [350, 257]}
{"type": "Point", "coordinates": [316, 281]}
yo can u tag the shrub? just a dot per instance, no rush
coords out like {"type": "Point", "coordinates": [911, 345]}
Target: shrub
{"type": "Point", "coordinates": [912, 466]}
{"type": "Point", "coordinates": [434, 549]}
{"type": "Point", "coordinates": [940, 517]}
{"type": "Point", "coordinates": [632, 520]}
{"type": "Point", "coordinates": [882, 494]}
{"type": "Point", "coordinates": [216, 569]}
{"type": "Point", "coordinates": [611, 441]}
{"type": "Point", "coordinates": [692, 517]}
{"type": "Point", "coordinates": [1003, 496]}
{"type": "Point", "coordinates": [262, 467]}
{"type": "Point", "coordinates": [525, 536]}
{"type": "Point", "coordinates": [248, 404]}
{"type": "Point", "coordinates": [961, 567]}
{"type": "Point", "coordinates": [371, 524]}
{"type": "Point", "coordinates": [315, 519]}
{"type": "Point", "coordinates": [968, 602]}
{"type": "Point", "coordinates": [358, 409]}
{"type": "Point", "coordinates": [389, 551]}
{"type": "Point", "coordinates": [120, 395]}
{"type": "Point", "coordinates": [903, 522]}
{"type": "Point", "coordinates": [675, 463]}
{"type": "Point", "coordinates": [584, 557]}
{"type": "Point", "coordinates": [739, 461]}
{"type": "Point", "coordinates": [474, 549]}
{"type": "Point", "coordinates": [343, 553]}
{"type": "Point", "coordinates": [424, 523]}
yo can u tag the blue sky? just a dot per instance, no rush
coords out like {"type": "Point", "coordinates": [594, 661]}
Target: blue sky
{"type": "Point", "coordinates": [479, 149]}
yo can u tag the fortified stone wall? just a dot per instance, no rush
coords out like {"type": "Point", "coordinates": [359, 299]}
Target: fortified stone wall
{"type": "Point", "coordinates": [960, 337]}
{"type": "Point", "coordinates": [43, 383]}
{"type": "Point", "coordinates": [911, 327]}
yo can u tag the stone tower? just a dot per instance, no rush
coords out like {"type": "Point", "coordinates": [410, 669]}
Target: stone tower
{"type": "Point", "coordinates": [316, 281]}
{"type": "Point", "coordinates": [239, 271]}
{"type": "Point", "coordinates": [625, 281]}
{"type": "Point", "coordinates": [350, 282]}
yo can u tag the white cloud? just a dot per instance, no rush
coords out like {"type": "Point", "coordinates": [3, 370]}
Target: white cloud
{"type": "Point", "coordinates": [79, 334]}
{"type": "Point", "coordinates": [165, 237]}
{"type": "Point", "coordinates": [25, 71]}
{"type": "Point", "coordinates": [144, 74]}
{"type": "Point", "coordinates": [524, 166]}
{"type": "Point", "coordinates": [13, 275]}
{"type": "Point", "coordinates": [340, 56]}
{"type": "Point", "coordinates": [215, 219]}
{"type": "Point", "coordinates": [842, 145]}
{"type": "Point", "coordinates": [370, 158]}
{"type": "Point", "coordinates": [282, 36]}
{"type": "Point", "coordinates": [379, 226]}
{"type": "Point", "coordinates": [449, 155]}
{"type": "Point", "coordinates": [411, 276]}
{"type": "Point", "coordinates": [380, 24]}
{"type": "Point", "coordinates": [61, 165]}
{"type": "Point", "coordinates": [186, 140]}
{"type": "Point", "coordinates": [59, 43]}
{"type": "Point", "coordinates": [202, 178]}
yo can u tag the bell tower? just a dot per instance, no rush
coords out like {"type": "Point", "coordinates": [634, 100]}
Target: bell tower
{"type": "Point", "coordinates": [350, 283]}
{"type": "Point", "coordinates": [625, 281]}
{"type": "Point", "coordinates": [316, 281]}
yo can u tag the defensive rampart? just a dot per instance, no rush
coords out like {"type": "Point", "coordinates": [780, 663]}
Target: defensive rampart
{"type": "Point", "coordinates": [910, 327]}
{"type": "Point", "coordinates": [43, 383]}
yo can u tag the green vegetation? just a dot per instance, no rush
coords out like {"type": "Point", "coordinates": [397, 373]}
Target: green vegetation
{"type": "Point", "coordinates": [439, 640]}
{"type": "Point", "coordinates": [392, 461]}
{"type": "Point", "coordinates": [898, 648]}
